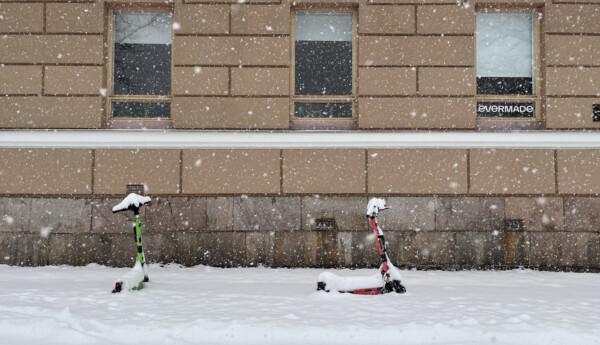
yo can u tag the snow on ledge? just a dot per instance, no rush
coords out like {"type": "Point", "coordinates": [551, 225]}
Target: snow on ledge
{"type": "Point", "coordinates": [183, 139]}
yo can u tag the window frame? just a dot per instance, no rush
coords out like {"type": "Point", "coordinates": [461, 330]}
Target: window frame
{"type": "Point", "coordinates": [123, 122]}
{"type": "Point", "coordinates": [536, 96]}
{"type": "Point", "coordinates": [324, 123]}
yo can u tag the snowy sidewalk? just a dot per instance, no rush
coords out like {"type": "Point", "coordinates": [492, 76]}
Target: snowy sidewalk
{"type": "Point", "coordinates": [204, 305]}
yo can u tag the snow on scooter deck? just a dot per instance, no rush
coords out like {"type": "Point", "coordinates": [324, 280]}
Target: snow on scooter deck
{"type": "Point", "coordinates": [132, 280]}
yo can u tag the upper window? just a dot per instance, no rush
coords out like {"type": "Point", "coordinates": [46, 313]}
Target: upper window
{"type": "Point", "coordinates": [505, 59]}
{"type": "Point", "coordinates": [323, 65]}
{"type": "Point", "coordinates": [506, 64]}
{"type": "Point", "coordinates": [141, 63]}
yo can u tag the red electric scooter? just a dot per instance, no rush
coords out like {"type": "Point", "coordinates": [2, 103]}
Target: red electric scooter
{"type": "Point", "coordinates": [387, 280]}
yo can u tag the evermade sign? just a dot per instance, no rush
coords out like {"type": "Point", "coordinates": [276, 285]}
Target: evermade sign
{"type": "Point", "coordinates": [506, 109]}
{"type": "Point", "coordinates": [596, 113]}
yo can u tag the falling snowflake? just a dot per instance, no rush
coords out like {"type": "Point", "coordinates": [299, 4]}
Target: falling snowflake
{"type": "Point", "coordinates": [45, 231]}
{"type": "Point", "coordinates": [8, 219]}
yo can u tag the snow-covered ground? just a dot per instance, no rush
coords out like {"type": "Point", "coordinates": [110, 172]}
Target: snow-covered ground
{"type": "Point", "coordinates": [204, 305]}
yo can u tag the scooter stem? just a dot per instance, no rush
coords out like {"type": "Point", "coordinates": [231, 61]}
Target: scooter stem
{"type": "Point", "coordinates": [380, 240]}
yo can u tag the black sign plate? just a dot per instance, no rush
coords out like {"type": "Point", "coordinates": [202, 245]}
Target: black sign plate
{"type": "Point", "coordinates": [596, 113]}
{"type": "Point", "coordinates": [506, 109]}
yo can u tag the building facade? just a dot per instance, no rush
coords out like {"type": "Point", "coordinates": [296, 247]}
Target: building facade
{"type": "Point", "coordinates": [261, 128]}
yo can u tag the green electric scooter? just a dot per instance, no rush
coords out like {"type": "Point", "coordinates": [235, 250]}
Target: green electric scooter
{"type": "Point", "coordinates": [137, 276]}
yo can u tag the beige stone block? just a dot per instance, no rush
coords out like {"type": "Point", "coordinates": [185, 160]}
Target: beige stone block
{"type": "Point", "coordinates": [570, 112]}
{"type": "Point", "coordinates": [572, 50]}
{"type": "Point", "coordinates": [573, 81]}
{"type": "Point", "coordinates": [454, 81]}
{"type": "Point", "coordinates": [578, 171]}
{"type": "Point", "coordinates": [384, 81]}
{"type": "Point", "coordinates": [202, 19]}
{"type": "Point", "coordinates": [330, 171]}
{"type": "Point", "coordinates": [233, 51]}
{"type": "Point", "coordinates": [231, 171]}
{"type": "Point", "coordinates": [230, 112]}
{"type": "Point", "coordinates": [417, 171]}
{"type": "Point", "coordinates": [75, 18]}
{"type": "Point", "coordinates": [386, 19]}
{"type": "Point", "coordinates": [230, 1]}
{"type": "Point", "coordinates": [73, 80]}
{"type": "Point", "coordinates": [21, 17]}
{"type": "Point", "coordinates": [416, 113]}
{"type": "Point", "coordinates": [447, 19]}
{"type": "Point", "coordinates": [512, 171]}
{"type": "Point", "coordinates": [52, 49]}
{"type": "Point", "coordinates": [45, 171]}
{"type": "Point", "coordinates": [200, 81]}
{"type": "Point", "coordinates": [260, 19]}
{"type": "Point", "coordinates": [260, 81]}
{"type": "Point", "coordinates": [416, 51]}
{"type": "Point", "coordinates": [23, 80]}
{"type": "Point", "coordinates": [51, 112]}
{"type": "Point", "coordinates": [572, 19]}
{"type": "Point", "coordinates": [157, 170]}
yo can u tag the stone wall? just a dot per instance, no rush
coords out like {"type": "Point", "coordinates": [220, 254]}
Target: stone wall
{"type": "Point", "coordinates": [283, 231]}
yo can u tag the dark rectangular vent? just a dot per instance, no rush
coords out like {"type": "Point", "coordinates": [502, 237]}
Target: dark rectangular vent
{"type": "Point", "coordinates": [136, 188]}
{"type": "Point", "coordinates": [514, 225]}
{"type": "Point", "coordinates": [325, 224]}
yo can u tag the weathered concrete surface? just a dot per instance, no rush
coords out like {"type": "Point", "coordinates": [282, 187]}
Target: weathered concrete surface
{"type": "Point", "coordinates": [538, 214]}
{"type": "Point", "coordinates": [23, 249]}
{"type": "Point", "coordinates": [470, 214]}
{"type": "Point", "coordinates": [348, 212]}
{"type": "Point", "coordinates": [582, 214]}
{"type": "Point", "coordinates": [266, 213]}
{"type": "Point", "coordinates": [176, 214]}
{"type": "Point", "coordinates": [409, 213]}
{"type": "Point", "coordinates": [477, 249]}
{"type": "Point", "coordinates": [104, 221]}
{"type": "Point", "coordinates": [15, 214]}
{"type": "Point", "coordinates": [260, 248]}
{"type": "Point", "coordinates": [423, 232]}
{"type": "Point", "coordinates": [61, 215]}
{"type": "Point", "coordinates": [219, 213]}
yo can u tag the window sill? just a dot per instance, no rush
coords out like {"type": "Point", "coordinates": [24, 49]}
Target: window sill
{"type": "Point", "coordinates": [323, 124]}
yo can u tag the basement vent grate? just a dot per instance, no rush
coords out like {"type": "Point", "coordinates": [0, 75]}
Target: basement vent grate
{"type": "Point", "coordinates": [136, 188]}
{"type": "Point", "coordinates": [325, 224]}
{"type": "Point", "coordinates": [514, 225]}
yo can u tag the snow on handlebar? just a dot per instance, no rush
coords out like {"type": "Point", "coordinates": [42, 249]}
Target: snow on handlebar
{"type": "Point", "coordinates": [374, 206]}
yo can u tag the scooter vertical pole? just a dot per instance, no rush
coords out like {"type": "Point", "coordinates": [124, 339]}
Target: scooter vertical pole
{"type": "Point", "coordinates": [137, 232]}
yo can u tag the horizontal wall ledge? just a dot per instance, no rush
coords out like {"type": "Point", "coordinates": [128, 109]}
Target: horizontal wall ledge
{"type": "Point", "coordinates": [181, 139]}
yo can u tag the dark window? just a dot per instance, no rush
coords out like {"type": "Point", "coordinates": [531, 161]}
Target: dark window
{"type": "Point", "coordinates": [141, 62]}
{"type": "Point", "coordinates": [323, 110]}
{"type": "Point", "coordinates": [505, 54]}
{"type": "Point", "coordinates": [323, 65]}
{"type": "Point", "coordinates": [141, 109]}
{"type": "Point", "coordinates": [323, 54]}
